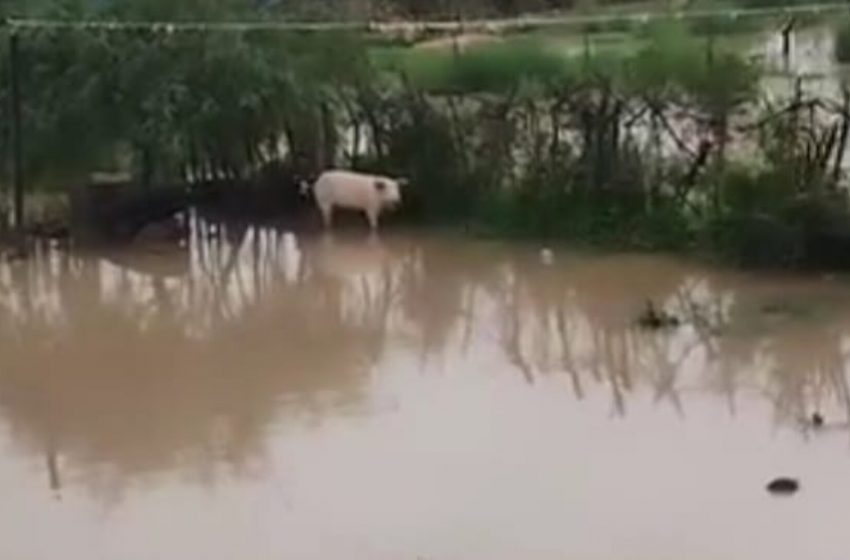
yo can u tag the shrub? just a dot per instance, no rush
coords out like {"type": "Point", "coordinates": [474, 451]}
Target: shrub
{"type": "Point", "coordinates": [842, 42]}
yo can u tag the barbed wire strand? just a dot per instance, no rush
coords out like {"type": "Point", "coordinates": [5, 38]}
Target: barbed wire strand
{"type": "Point", "coordinates": [18, 24]}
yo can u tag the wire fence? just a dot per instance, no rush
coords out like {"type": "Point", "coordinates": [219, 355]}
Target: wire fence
{"type": "Point", "coordinates": [18, 27]}
{"type": "Point", "coordinates": [498, 24]}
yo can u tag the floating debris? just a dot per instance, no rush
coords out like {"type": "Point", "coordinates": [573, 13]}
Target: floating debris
{"type": "Point", "coordinates": [784, 486]}
{"type": "Point", "coordinates": [792, 310]}
{"type": "Point", "coordinates": [657, 319]}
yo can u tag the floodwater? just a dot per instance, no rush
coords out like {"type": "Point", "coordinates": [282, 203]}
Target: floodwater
{"type": "Point", "coordinates": [257, 395]}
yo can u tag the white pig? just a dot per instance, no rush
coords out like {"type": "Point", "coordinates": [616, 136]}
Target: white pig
{"type": "Point", "coordinates": [371, 194]}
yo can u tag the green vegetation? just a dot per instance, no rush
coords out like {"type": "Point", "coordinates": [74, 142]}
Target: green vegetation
{"type": "Point", "coordinates": [842, 42]}
{"type": "Point", "coordinates": [666, 144]}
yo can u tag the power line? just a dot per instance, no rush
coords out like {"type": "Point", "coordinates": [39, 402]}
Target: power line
{"type": "Point", "coordinates": [438, 25]}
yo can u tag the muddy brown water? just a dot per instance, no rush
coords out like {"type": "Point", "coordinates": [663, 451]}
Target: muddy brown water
{"type": "Point", "coordinates": [426, 397]}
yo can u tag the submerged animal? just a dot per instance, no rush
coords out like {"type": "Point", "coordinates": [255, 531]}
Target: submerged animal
{"type": "Point", "coordinates": [371, 194]}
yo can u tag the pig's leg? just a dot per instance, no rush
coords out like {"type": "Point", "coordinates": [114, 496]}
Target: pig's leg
{"type": "Point", "coordinates": [372, 214]}
{"type": "Point", "coordinates": [327, 211]}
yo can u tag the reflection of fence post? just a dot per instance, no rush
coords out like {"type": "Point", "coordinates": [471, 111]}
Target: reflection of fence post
{"type": "Point", "coordinates": [17, 159]}
{"type": "Point", "coordinates": [53, 474]}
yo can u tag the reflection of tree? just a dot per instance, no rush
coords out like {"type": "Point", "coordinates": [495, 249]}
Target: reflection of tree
{"type": "Point", "coordinates": [512, 329]}
{"type": "Point", "coordinates": [112, 368]}
{"type": "Point", "coordinates": [774, 343]}
{"type": "Point", "coordinates": [114, 374]}
{"type": "Point", "coordinates": [585, 314]}
{"type": "Point", "coordinates": [438, 292]}
{"type": "Point", "coordinates": [808, 365]}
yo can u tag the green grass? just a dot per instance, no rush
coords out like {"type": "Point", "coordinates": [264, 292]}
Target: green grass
{"type": "Point", "coordinates": [496, 67]}
{"type": "Point", "coordinates": [663, 54]}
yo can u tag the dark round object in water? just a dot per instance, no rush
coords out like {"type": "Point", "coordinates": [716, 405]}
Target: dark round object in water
{"type": "Point", "coordinates": [783, 486]}
{"type": "Point", "coordinates": [817, 420]}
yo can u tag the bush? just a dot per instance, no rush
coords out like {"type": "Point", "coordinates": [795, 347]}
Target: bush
{"type": "Point", "coordinates": [842, 42]}
{"type": "Point", "coordinates": [424, 151]}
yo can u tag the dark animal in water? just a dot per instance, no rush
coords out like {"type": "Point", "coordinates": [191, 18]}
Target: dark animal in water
{"type": "Point", "coordinates": [817, 420]}
{"type": "Point", "coordinates": [656, 319]}
{"type": "Point", "coordinates": [783, 486]}
{"type": "Point", "coordinates": [120, 211]}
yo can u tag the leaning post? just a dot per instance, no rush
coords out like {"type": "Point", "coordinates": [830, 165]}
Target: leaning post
{"type": "Point", "coordinates": [786, 32]}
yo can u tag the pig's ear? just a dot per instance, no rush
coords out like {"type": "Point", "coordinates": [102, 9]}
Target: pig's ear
{"type": "Point", "coordinates": [380, 186]}
{"type": "Point", "coordinates": [402, 182]}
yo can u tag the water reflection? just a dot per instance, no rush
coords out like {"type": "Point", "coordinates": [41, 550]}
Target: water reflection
{"type": "Point", "coordinates": [122, 372]}
{"type": "Point", "coordinates": [117, 367]}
